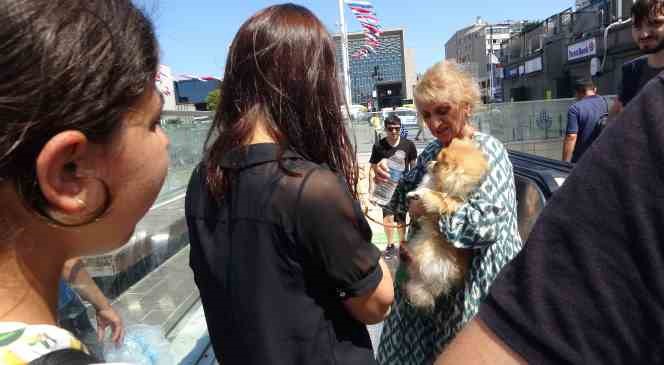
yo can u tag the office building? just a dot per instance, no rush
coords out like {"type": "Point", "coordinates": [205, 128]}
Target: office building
{"type": "Point", "coordinates": [411, 72]}
{"type": "Point", "coordinates": [380, 79]}
{"type": "Point", "coordinates": [166, 87]}
{"type": "Point", "coordinates": [195, 91]}
{"type": "Point", "coordinates": [476, 48]}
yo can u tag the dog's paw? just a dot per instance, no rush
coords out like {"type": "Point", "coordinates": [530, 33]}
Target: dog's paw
{"type": "Point", "coordinates": [433, 201]}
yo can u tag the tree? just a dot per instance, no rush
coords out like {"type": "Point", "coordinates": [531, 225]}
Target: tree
{"type": "Point", "coordinates": [213, 99]}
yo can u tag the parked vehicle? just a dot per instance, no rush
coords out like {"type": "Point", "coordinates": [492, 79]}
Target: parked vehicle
{"type": "Point", "coordinates": [357, 111]}
{"type": "Point", "coordinates": [408, 116]}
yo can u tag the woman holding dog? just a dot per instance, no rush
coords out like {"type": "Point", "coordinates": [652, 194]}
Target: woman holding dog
{"type": "Point", "coordinates": [485, 226]}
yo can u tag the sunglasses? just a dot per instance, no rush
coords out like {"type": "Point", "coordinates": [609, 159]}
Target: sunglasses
{"type": "Point", "coordinates": [393, 129]}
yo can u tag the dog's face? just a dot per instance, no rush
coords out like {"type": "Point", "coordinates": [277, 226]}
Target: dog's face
{"type": "Point", "coordinates": [458, 169]}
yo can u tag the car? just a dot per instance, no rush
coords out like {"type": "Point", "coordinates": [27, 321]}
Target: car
{"type": "Point", "coordinates": [357, 111]}
{"type": "Point", "coordinates": [202, 119]}
{"type": "Point", "coordinates": [408, 116]}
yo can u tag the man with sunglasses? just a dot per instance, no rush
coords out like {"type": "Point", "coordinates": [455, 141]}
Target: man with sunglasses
{"type": "Point", "coordinates": [385, 148]}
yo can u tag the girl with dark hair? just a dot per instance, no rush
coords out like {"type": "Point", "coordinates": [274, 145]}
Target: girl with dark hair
{"type": "Point", "coordinates": [78, 113]}
{"type": "Point", "coordinates": [280, 249]}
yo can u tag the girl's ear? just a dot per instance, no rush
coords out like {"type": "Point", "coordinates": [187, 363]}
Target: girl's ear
{"type": "Point", "coordinates": [66, 176]}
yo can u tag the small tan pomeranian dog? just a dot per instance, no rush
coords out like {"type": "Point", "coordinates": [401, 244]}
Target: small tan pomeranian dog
{"type": "Point", "coordinates": [436, 266]}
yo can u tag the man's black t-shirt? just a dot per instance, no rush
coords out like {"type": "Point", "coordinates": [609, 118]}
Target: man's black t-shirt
{"type": "Point", "coordinates": [383, 149]}
{"type": "Point", "coordinates": [635, 74]}
{"type": "Point", "coordinates": [276, 258]}
{"type": "Point", "coordinates": [588, 287]}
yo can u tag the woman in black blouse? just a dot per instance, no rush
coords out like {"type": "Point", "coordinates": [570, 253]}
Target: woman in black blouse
{"type": "Point", "coordinates": [279, 247]}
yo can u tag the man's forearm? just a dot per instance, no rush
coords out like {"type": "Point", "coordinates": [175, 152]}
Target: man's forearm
{"type": "Point", "coordinates": [476, 344]}
{"type": "Point", "coordinates": [568, 148]}
{"type": "Point", "coordinates": [75, 274]}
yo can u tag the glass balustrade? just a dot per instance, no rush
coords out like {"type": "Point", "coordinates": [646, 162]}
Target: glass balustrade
{"type": "Point", "coordinates": [148, 279]}
{"type": "Point", "coordinates": [536, 127]}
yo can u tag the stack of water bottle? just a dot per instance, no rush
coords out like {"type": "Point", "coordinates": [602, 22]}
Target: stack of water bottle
{"type": "Point", "coordinates": [141, 345]}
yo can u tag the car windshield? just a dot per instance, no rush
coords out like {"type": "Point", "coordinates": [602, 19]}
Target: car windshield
{"type": "Point", "coordinates": [406, 113]}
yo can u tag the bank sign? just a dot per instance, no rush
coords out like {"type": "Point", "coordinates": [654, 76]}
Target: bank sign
{"type": "Point", "coordinates": [582, 49]}
{"type": "Point", "coordinates": [511, 73]}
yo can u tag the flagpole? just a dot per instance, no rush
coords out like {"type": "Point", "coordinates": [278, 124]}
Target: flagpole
{"type": "Point", "coordinates": [344, 53]}
{"type": "Point", "coordinates": [491, 62]}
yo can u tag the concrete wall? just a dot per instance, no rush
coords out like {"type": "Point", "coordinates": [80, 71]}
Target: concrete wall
{"type": "Point", "coordinates": [411, 71]}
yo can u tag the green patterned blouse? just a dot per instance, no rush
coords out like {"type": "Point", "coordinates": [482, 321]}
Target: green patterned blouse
{"type": "Point", "coordinates": [486, 223]}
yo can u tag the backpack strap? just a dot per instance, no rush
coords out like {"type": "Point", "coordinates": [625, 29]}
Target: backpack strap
{"type": "Point", "coordinates": [606, 102]}
{"type": "Point", "coordinates": [601, 122]}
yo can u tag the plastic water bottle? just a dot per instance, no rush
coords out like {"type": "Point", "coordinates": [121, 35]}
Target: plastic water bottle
{"type": "Point", "coordinates": [383, 192]}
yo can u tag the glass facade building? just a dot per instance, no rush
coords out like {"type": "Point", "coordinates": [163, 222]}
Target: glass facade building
{"type": "Point", "coordinates": [385, 66]}
{"type": "Point", "coordinates": [194, 91]}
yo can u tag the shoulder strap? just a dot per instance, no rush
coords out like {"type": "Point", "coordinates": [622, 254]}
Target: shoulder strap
{"type": "Point", "coordinates": [601, 122]}
{"type": "Point", "coordinates": [606, 102]}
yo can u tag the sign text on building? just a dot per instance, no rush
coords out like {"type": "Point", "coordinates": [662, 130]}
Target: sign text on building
{"type": "Point", "coordinates": [512, 72]}
{"type": "Point", "coordinates": [534, 65]}
{"type": "Point", "coordinates": [582, 49]}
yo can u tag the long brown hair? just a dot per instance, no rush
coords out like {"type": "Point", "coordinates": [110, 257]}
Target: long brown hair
{"type": "Point", "coordinates": [281, 69]}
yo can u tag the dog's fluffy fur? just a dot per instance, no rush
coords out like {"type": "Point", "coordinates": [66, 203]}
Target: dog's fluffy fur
{"type": "Point", "coordinates": [436, 265]}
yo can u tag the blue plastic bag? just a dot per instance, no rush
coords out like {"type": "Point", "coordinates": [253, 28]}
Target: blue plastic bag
{"type": "Point", "coordinates": [141, 345]}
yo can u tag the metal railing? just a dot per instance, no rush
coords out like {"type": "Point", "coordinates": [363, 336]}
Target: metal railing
{"type": "Point", "coordinates": [187, 131]}
{"type": "Point", "coordinates": [149, 277]}
{"type": "Point", "coordinates": [536, 127]}
{"type": "Point", "coordinates": [185, 117]}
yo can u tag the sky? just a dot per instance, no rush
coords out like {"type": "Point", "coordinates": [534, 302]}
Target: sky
{"type": "Point", "coordinates": [194, 34]}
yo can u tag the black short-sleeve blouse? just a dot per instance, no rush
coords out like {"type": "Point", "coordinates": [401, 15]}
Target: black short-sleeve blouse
{"type": "Point", "coordinates": [275, 259]}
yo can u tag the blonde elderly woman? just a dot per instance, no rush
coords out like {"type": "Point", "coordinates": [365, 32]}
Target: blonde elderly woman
{"type": "Point", "coordinates": [486, 224]}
